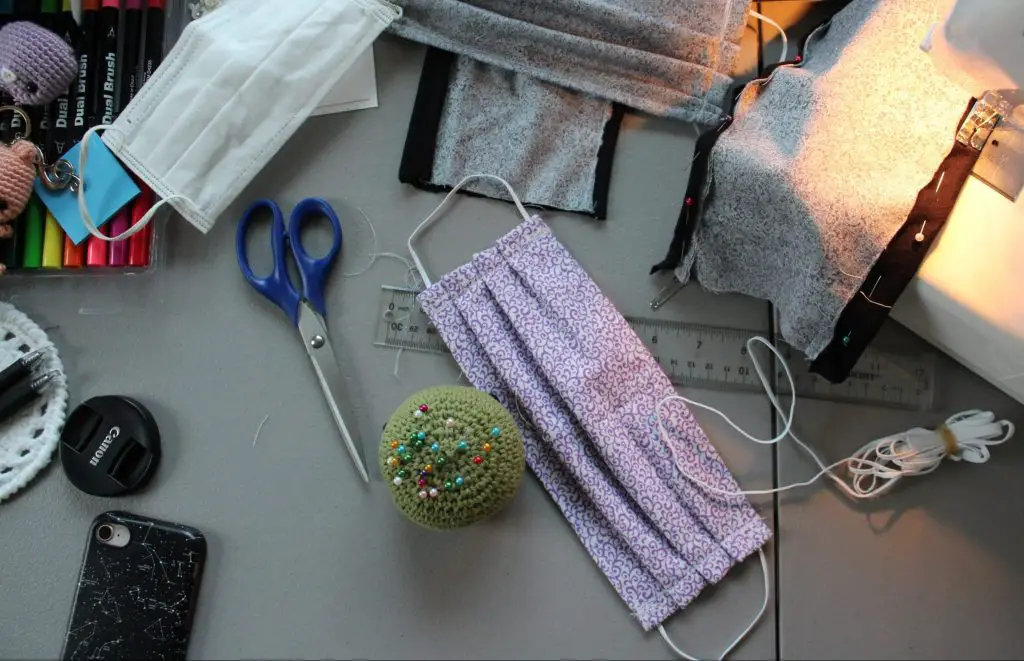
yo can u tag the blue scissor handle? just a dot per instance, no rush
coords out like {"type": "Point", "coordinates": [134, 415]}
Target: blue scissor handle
{"type": "Point", "coordinates": [314, 272]}
{"type": "Point", "coordinates": [276, 287]}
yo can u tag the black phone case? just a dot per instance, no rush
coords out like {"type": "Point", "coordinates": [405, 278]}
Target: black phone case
{"type": "Point", "coordinates": [137, 602]}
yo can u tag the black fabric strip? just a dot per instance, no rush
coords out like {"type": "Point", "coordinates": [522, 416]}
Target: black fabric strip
{"type": "Point", "coordinates": [605, 157]}
{"type": "Point", "coordinates": [693, 202]}
{"type": "Point", "coordinates": [417, 166]}
{"type": "Point", "coordinates": [861, 319]}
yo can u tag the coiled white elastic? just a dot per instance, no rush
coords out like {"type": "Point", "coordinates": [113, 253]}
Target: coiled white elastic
{"type": "Point", "coordinates": [877, 466]}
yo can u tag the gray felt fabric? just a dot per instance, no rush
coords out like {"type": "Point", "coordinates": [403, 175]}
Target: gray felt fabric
{"type": "Point", "coordinates": [540, 137]}
{"type": "Point", "coordinates": [573, 59]}
{"type": "Point", "coordinates": [822, 166]}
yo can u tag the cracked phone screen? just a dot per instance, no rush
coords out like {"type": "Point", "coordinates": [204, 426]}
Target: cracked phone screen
{"type": "Point", "coordinates": [137, 601]}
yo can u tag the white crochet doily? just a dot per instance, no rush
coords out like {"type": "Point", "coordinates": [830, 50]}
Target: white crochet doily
{"type": "Point", "coordinates": [27, 440]}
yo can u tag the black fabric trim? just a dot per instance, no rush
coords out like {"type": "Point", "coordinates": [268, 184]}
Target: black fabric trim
{"type": "Point", "coordinates": [421, 141]}
{"type": "Point", "coordinates": [605, 157]}
{"type": "Point", "coordinates": [692, 208]}
{"type": "Point", "coordinates": [861, 319]}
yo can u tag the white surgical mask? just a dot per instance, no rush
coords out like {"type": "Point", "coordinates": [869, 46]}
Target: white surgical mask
{"type": "Point", "coordinates": [236, 86]}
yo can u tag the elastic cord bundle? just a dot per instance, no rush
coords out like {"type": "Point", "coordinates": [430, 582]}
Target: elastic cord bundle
{"type": "Point", "coordinates": [876, 467]}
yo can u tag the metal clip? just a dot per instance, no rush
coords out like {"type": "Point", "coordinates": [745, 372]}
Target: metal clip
{"type": "Point", "coordinates": [981, 120]}
{"type": "Point", "coordinates": [56, 176]}
{"type": "Point", "coordinates": [666, 294]}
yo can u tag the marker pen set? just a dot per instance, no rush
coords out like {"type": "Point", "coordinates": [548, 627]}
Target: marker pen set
{"type": "Point", "coordinates": [118, 45]}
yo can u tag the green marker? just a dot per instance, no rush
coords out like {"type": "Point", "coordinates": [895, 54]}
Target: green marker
{"type": "Point", "coordinates": [35, 224]}
{"type": "Point", "coordinates": [24, 227]}
{"type": "Point", "coordinates": [51, 239]}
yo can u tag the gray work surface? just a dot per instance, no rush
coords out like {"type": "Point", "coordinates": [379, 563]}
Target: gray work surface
{"type": "Point", "coordinates": [307, 562]}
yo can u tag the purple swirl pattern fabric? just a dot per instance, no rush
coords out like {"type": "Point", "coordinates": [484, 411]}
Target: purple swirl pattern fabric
{"type": "Point", "coordinates": [526, 323]}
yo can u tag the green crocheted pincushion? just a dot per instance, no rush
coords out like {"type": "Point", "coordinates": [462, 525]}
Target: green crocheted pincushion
{"type": "Point", "coordinates": [452, 456]}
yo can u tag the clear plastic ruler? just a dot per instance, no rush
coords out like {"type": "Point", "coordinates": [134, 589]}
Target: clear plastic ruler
{"type": "Point", "coordinates": [711, 357]}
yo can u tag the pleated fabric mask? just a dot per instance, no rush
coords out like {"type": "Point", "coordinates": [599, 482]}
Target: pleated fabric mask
{"type": "Point", "coordinates": [527, 324]}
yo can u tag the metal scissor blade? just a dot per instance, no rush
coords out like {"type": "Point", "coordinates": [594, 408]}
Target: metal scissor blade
{"type": "Point", "coordinates": [318, 346]}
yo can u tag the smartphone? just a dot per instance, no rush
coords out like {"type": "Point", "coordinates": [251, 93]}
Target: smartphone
{"type": "Point", "coordinates": [137, 590]}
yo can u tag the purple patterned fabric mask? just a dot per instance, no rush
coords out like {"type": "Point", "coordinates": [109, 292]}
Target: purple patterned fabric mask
{"type": "Point", "coordinates": [528, 325]}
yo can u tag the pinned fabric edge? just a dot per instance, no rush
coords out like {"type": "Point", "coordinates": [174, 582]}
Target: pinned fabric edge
{"type": "Point", "coordinates": [794, 201]}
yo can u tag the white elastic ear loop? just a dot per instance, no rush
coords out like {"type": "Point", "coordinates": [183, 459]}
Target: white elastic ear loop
{"type": "Point", "coordinates": [877, 466]}
{"type": "Point", "coordinates": [432, 218]}
{"type": "Point", "coordinates": [782, 33]}
{"type": "Point", "coordinates": [745, 632]}
{"type": "Point", "coordinates": [83, 209]}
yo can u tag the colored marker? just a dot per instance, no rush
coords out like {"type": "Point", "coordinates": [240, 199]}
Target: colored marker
{"type": "Point", "coordinates": [153, 53]}
{"type": "Point", "coordinates": [28, 228]}
{"type": "Point", "coordinates": [130, 54]}
{"type": "Point", "coordinates": [53, 236]}
{"type": "Point", "coordinates": [10, 255]}
{"type": "Point", "coordinates": [33, 221]}
{"type": "Point", "coordinates": [97, 251]}
{"type": "Point", "coordinates": [74, 256]}
{"type": "Point", "coordinates": [26, 10]}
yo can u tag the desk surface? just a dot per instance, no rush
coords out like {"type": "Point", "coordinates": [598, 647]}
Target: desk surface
{"type": "Point", "coordinates": [306, 562]}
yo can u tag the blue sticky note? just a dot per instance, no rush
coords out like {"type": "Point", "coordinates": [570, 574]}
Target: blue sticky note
{"type": "Point", "coordinates": [108, 187]}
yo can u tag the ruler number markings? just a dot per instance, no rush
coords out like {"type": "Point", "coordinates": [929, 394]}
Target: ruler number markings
{"type": "Point", "coordinates": [703, 356]}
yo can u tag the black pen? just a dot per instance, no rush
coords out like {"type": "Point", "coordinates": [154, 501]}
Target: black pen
{"type": "Point", "coordinates": [23, 393]}
{"type": "Point", "coordinates": [19, 369]}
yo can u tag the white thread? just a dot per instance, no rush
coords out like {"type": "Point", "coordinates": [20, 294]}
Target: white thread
{"type": "Point", "coordinates": [389, 317]}
{"type": "Point", "coordinates": [861, 292]}
{"type": "Point", "coordinates": [739, 638]}
{"type": "Point", "coordinates": [877, 466]}
{"type": "Point", "coordinates": [83, 209]}
{"type": "Point", "coordinates": [850, 275]}
{"type": "Point", "coordinates": [782, 33]}
{"type": "Point", "coordinates": [871, 300]}
{"type": "Point", "coordinates": [874, 302]}
{"type": "Point", "coordinates": [259, 429]}
{"type": "Point", "coordinates": [432, 218]}
{"type": "Point", "coordinates": [398, 358]}
{"type": "Point", "coordinates": [373, 254]}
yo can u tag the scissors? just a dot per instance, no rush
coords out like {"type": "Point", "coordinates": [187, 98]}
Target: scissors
{"type": "Point", "coordinates": [305, 309]}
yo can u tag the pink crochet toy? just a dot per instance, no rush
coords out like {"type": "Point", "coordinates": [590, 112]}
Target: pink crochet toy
{"type": "Point", "coordinates": [17, 173]}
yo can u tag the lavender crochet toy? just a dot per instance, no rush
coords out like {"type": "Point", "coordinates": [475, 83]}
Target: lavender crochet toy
{"type": "Point", "coordinates": [36, 65]}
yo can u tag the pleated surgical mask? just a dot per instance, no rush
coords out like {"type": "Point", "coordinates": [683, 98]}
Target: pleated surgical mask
{"type": "Point", "coordinates": [527, 324]}
{"type": "Point", "coordinates": [236, 86]}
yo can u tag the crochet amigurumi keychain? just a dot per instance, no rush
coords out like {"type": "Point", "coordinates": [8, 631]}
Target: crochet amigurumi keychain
{"type": "Point", "coordinates": [452, 456]}
{"type": "Point", "coordinates": [17, 174]}
{"type": "Point", "coordinates": [36, 65]}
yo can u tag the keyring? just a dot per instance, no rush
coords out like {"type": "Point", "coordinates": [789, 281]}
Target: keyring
{"type": "Point", "coordinates": [24, 116]}
{"type": "Point", "coordinates": [58, 176]}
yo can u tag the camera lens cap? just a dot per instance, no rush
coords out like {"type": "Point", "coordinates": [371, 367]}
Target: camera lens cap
{"type": "Point", "coordinates": [110, 446]}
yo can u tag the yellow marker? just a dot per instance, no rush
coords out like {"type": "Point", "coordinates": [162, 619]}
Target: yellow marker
{"type": "Point", "coordinates": [53, 244]}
